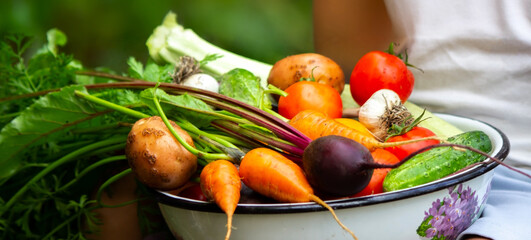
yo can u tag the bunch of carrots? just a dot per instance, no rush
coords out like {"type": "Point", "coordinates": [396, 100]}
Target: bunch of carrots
{"type": "Point", "coordinates": [265, 171]}
{"type": "Point", "coordinates": [271, 174]}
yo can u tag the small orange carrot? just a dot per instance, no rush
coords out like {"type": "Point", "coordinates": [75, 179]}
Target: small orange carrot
{"type": "Point", "coordinates": [220, 181]}
{"type": "Point", "coordinates": [315, 124]}
{"type": "Point", "coordinates": [271, 174]}
{"type": "Point", "coordinates": [356, 125]}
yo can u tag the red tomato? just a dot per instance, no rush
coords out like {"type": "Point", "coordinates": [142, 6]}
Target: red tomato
{"type": "Point", "coordinates": [378, 175]}
{"type": "Point", "coordinates": [304, 95]}
{"type": "Point", "coordinates": [378, 70]}
{"type": "Point", "coordinates": [417, 132]}
{"type": "Point", "coordinates": [193, 192]}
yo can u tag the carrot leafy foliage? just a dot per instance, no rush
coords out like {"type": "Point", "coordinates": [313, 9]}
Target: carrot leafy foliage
{"type": "Point", "coordinates": [54, 144]}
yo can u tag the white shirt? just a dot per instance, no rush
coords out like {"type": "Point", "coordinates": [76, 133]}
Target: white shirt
{"type": "Point", "coordinates": [476, 58]}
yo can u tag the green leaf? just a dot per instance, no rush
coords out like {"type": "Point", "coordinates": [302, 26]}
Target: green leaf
{"type": "Point", "coordinates": [136, 68]}
{"type": "Point", "coordinates": [48, 71]}
{"type": "Point", "coordinates": [243, 85]}
{"type": "Point", "coordinates": [51, 113]}
{"type": "Point", "coordinates": [43, 70]}
{"type": "Point", "coordinates": [421, 230]}
{"type": "Point", "coordinates": [156, 73]}
{"type": "Point", "coordinates": [209, 58]}
{"type": "Point", "coordinates": [55, 38]}
{"type": "Point", "coordinates": [152, 72]}
{"type": "Point", "coordinates": [122, 97]}
{"type": "Point", "coordinates": [182, 105]}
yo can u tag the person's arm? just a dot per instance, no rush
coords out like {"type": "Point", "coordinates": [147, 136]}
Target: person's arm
{"type": "Point", "coordinates": [344, 30]}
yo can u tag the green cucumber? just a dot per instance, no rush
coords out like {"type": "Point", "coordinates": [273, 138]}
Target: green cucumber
{"type": "Point", "coordinates": [438, 162]}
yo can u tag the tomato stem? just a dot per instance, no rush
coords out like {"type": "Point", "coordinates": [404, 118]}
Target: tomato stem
{"type": "Point", "coordinates": [391, 51]}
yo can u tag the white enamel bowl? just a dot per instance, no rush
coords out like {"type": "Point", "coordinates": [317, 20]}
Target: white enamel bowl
{"type": "Point", "coordinates": [393, 215]}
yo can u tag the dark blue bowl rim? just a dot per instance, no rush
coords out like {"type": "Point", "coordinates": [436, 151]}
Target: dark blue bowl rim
{"type": "Point", "coordinates": [185, 203]}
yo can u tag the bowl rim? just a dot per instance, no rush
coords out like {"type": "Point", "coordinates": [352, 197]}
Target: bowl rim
{"type": "Point", "coordinates": [165, 198]}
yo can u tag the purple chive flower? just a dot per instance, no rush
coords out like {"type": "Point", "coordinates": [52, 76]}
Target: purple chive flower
{"type": "Point", "coordinates": [432, 232]}
{"type": "Point", "coordinates": [434, 210]}
{"type": "Point", "coordinates": [449, 230]}
{"type": "Point", "coordinates": [449, 217]}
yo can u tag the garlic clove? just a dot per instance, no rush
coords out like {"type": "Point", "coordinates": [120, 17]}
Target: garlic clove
{"type": "Point", "coordinates": [383, 109]}
{"type": "Point", "coordinates": [202, 81]}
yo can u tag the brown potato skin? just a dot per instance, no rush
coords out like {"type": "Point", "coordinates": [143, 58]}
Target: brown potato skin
{"type": "Point", "coordinates": [157, 159]}
{"type": "Point", "coordinates": [290, 69]}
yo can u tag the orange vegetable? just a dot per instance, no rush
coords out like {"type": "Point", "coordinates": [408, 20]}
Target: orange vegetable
{"type": "Point", "coordinates": [356, 125]}
{"type": "Point", "coordinates": [291, 69]}
{"type": "Point", "coordinates": [305, 95]}
{"type": "Point", "coordinates": [314, 124]}
{"type": "Point", "coordinates": [375, 185]}
{"type": "Point", "coordinates": [415, 133]}
{"type": "Point", "coordinates": [220, 181]}
{"type": "Point", "coordinates": [271, 174]}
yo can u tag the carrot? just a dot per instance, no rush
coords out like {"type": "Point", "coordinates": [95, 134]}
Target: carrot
{"type": "Point", "coordinates": [356, 125]}
{"type": "Point", "coordinates": [315, 124]}
{"type": "Point", "coordinates": [220, 181]}
{"type": "Point", "coordinates": [271, 174]}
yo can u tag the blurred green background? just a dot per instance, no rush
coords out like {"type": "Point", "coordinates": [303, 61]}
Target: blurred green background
{"type": "Point", "coordinates": [106, 33]}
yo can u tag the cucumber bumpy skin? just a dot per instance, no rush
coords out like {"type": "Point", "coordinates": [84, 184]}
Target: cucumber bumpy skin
{"type": "Point", "coordinates": [438, 162]}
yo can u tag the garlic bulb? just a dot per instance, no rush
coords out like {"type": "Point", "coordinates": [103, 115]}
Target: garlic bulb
{"type": "Point", "coordinates": [381, 111]}
{"type": "Point", "coordinates": [202, 81]}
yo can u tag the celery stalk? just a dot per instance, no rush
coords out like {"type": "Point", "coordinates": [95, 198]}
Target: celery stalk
{"type": "Point", "coordinates": [170, 40]}
{"type": "Point", "coordinates": [437, 125]}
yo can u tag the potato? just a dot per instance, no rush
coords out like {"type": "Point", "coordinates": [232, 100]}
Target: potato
{"type": "Point", "coordinates": [156, 157]}
{"type": "Point", "coordinates": [291, 69]}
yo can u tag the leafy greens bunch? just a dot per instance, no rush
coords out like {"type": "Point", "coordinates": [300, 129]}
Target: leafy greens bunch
{"type": "Point", "coordinates": [57, 148]}
{"type": "Point", "coordinates": [64, 129]}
